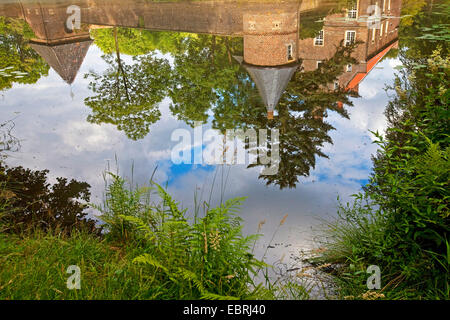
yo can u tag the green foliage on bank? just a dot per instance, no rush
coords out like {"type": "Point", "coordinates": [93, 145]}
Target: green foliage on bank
{"type": "Point", "coordinates": [150, 249]}
{"type": "Point", "coordinates": [401, 220]}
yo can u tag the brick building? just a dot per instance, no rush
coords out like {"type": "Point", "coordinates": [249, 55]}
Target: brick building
{"type": "Point", "coordinates": [270, 53]}
{"type": "Point", "coordinates": [63, 49]}
{"type": "Point", "coordinates": [65, 58]}
{"type": "Point", "coordinates": [355, 24]}
{"type": "Point", "coordinates": [270, 31]}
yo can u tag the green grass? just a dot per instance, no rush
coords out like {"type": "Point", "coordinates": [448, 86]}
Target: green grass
{"type": "Point", "coordinates": [400, 221]}
{"type": "Point", "coordinates": [34, 267]}
{"type": "Point", "coordinates": [188, 256]}
{"type": "Point", "coordinates": [354, 241]}
{"type": "Point", "coordinates": [150, 250]}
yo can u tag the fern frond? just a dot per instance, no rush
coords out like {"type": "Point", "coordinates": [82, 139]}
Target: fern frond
{"type": "Point", "coordinates": [213, 296]}
{"type": "Point", "coordinates": [150, 260]}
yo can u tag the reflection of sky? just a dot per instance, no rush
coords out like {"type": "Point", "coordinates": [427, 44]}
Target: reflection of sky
{"type": "Point", "coordinates": [56, 136]}
{"type": "Point", "coordinates": [176, 171]}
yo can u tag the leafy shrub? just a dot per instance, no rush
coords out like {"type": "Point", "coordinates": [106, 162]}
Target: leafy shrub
{"type": "Point", "coordinates": [403, 228]}
{"type": "Point", "coordinates": [414, 195]}
{"type": "Point", "coordinates": [205, 258]}
{"type": "Point", "coordinates": [120, 201]}
{"type": "Point", "coordinates": [401, 221]}
{"type": "Point", "coordinates": [29, 202]}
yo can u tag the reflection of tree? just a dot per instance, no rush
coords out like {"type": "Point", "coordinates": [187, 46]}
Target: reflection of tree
{"type": "Point", "coordinates": [31, 202]}
{"type": "Point", "coordinates": [8, 142]}
{"type": "Point", "coordinates": [424, 74]}
{"type": "Point", "coordinates": [411, 10]}
{"type": "Point", "coordinates": [135, 42]}
{"type": "Point", "coordinates": [301, 113]}
{"type": "Point", "coordinates": [18, 62]}
{"type": "Point", "coordinates": [128, 95]}
{"type": "Point", "coordinates": [206, 80]}
{"type": "Point", "coordinates": [203, 74]}
{"type": "Point", "coordinates": [425, 20]}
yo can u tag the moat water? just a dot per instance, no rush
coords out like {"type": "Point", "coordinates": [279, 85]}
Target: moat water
{"type": "Point", "coordinates": [314, 71]}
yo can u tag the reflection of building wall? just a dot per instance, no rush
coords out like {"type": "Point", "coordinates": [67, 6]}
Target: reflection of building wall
{"type": "Point", "coordinates": [270, 52]}
{"type": "Point", "coordinates": [378, 38]}
{"type": "Point", "coordinates": [65, 58]}
{"type": "Point", "coordinates": [11, 10]}
{"type": "Point", "coordinates": [336, 31]}
{"type": "Point", "coordinates": [270, 39]}
{"type": "Point", "coordinates": [388, 7]}
{"type": "Point", "coordinates": [213, 17]}
{"type": "Point", "coordinates": [49, 23]}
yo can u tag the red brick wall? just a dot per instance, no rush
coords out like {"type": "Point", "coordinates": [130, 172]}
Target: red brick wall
{"type": "Point", "coordinates": [11, 10]}
{"type": "Point", "coordinates": [267, 37]}
{"type": "Point", "coordinates": [49, 22]}
{"type": "Point", "coordinates": [335, 27]}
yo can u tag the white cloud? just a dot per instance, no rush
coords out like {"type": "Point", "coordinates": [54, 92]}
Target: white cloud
{"type": "Point", "coordinates": [56, 136]}
{"type": "Point", "coordinates": [83, 136]}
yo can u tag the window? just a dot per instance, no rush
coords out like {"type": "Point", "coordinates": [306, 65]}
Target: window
{"type": "Point", "coordinates": [389, 5]}
{"type": "Point", "coordinates": [387, 27]}
{"type": "Point", "coordinates": [319, 63]}
{"type": "Point", "coordinates": [352, 13]}
{"type": "Point", "coordinates": [381, 30]}
{"type": "Point", "coordinates": [318, 41]}
{"type": "Point", "coordinates": [384, 5]}
{"type": "Point", "coordinates": [336, 85]}
{"type": "Point", "coordinates": [276, 25]}
{"type": "Point", "coordinates": [290, 52]}
{"type": "Point", "coordinates": [350, 37]}
{"type": "Point", "coordinates": [374, 32]}
{"type": "Point", "coordinates": [349, 68]}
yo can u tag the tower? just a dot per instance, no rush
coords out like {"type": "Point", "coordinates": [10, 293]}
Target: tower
{"type": "Point", "coordinates": [64, 50]}
{"type": "Point", "coordinates": [64, 58]}
{"type": "Point", "coordinates": [270, 53]}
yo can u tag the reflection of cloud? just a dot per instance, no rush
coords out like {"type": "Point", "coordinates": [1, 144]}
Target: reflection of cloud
{"type": "Point", "coordinates": [159, 154]}
{"type": "Point", "coordinates": [83, 136]}
{"type": "Point", "coordinates": [368, 92]}
{"type": "Point", "coordinates": [393, 63]}
{"type": "Point", "coordinates": [349, 160]}
{"type": "Point", "coordinates": [56, 136]}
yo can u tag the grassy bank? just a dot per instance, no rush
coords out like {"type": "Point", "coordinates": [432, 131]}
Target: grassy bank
{"type": "Point", "coordinates": [148, 248]}
{"type": "Point", "coordinates": [34, 267]}
{"type": "Point", "coordinates": [400, 222]}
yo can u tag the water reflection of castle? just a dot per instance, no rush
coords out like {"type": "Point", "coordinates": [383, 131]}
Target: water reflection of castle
{"type": "Point", "coordinates": [272, 47]}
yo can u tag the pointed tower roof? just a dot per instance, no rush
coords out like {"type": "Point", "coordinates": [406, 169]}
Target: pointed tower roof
{"type": "Point", "coordinates": [65, 58]}
{"type": "Point", "coordinates": [270, 81]}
